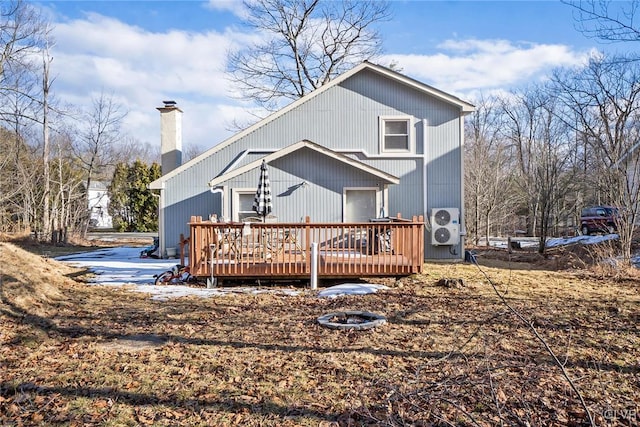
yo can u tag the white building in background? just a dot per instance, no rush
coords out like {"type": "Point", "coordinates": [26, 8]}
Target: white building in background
{"type": "Point", "coordinates": [99, 205]}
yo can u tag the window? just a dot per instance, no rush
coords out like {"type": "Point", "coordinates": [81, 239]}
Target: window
{"type": "Point", "coordinates": [243, 204]}
{"type": "Point", "coordinates": [396, 135]}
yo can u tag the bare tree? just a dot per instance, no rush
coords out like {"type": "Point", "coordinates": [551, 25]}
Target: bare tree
{"type": "Point", "coordinates": [68, 205]}
{"type": "Point", "coordinates": [604, 98]}
{"type": "Point", "coordinates": [488, 172]}
{"type": "Point", "coordinates": [608, 21]}
{"type": "Point", "coordinates": [17, 114]}
{"type": "Point", "coordinates": [12, 185]}
{"type": "Point", "coordinates": [100, 133]}
{"type": "Point", "coordinates": [306, 43]}
{"type": "Point", "coordinates": [544, 158]}
{"type": "Point", "coordinates": [130, 149]}
{"type": "Point", "coordinates": [17, 169]}
{"type": "Point", "coordinates": [46, 87]}
{"type": "Point", "coordinates": [22, 31]}
{"type": "Point", "coordinates": [191, 151]}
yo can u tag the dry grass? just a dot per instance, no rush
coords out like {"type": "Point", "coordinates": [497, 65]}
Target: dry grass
{"type": "Point", "coordinates": [75, 244]}
{"type": "Point", "coordinates": [73, 354]}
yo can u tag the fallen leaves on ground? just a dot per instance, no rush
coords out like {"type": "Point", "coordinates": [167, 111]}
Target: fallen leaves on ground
{"type": "Point", "coordinates": [90, 355]}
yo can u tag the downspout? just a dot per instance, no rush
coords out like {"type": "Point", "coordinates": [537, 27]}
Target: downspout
{"type": "Point", "coordinates": [463, 224]}
{"type": "Point", "coordinates": [424, 182]}
{"type": "Point", "coordinates": [219, 190]}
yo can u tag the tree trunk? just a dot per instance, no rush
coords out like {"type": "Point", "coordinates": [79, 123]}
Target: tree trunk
{"type": "Point", "coordinates": [46, 214]}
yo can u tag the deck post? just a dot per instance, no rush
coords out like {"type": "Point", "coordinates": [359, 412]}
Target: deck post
{"type": "Point", "coordinates": [314, 265]}
{"type": "Point", "coordinates": [193, 235]}
{"type": "Point", "coordinates": [183, 243]}
{"type": "Point", "coordinates": [307, 240]}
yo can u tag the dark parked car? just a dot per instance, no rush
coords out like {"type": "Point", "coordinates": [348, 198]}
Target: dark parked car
{"type": "Point", "coordinates": [598, 219]}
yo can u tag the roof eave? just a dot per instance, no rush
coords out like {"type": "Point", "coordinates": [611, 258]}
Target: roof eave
{"type": "Point", "coordinates": [297, 146]}
{"type": "Point", "coordinates": [464, 106]}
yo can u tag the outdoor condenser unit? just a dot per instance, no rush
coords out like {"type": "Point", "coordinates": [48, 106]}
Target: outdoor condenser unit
{"type": "Point", "coordinates": [445, 226]}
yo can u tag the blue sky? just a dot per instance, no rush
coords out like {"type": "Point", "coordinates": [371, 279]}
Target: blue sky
{"type": "Point", "coordinates": [144, 52]}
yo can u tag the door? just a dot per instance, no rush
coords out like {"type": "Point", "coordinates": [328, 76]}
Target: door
{"type": "Point", "coordinates": [360, 204]}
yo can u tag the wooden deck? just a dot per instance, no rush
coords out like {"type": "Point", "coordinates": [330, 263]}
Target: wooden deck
{"type": "Point", "coordinates": [283, 250]}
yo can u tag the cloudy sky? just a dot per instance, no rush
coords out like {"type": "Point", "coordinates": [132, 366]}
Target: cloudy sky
{"type": "Point", "coordinates": [144, 52]}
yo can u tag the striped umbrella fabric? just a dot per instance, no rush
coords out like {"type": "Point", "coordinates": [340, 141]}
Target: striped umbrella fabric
{"type": "Point", "coordinates": [262, 202]}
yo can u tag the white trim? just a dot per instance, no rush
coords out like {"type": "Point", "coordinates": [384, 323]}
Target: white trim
{"type": "Point", "coordinates": [306, 144]}
{"type": "Point", "coordinates": [226, 202]}
{"type": "Point", "coordinates": [344, 199]}
{"type": "Point", "coordinates": [266, 151]}
{"type": "Point", "coordinates": [411, 138]}
{"type": "Point", "coordinates": [245, 153]}
{"type": "Point", "coordinates": [344, 151]}
{"type": "Point", "coordinates": [382, 156]}
{"type": "Point", "coordinates": [162, 244]}
{"type": "Point", "coordinates": [385, 202]}
{"type": "Point", "coordinates": [157, 185]}
{"type": "Point", "coordinates": [464, 107]}
{"type": "Point", "coordinates": [235, 202]}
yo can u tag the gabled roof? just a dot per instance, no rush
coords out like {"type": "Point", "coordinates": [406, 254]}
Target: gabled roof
{"type": "Point", "coordinates": [464, 107]}
{"type": "Point", "coordinates": [298, 146]}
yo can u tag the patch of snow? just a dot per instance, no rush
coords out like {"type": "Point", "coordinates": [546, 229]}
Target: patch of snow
{"type": "Point", "coordinates": [350, 289]}
{"type": "Point", "coordinates": [585, 240]}
{"type": "Point", "coordinates": [123, 266]}
{"type": "Point", "coordinates": [530, 242]}
{"type": "Point", "coordinates": [119, 266]}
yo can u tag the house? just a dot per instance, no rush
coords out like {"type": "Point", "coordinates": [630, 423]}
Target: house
{"type": "Point", "coordinates": [369, 144]}
{"type": "Point", "coordinates": [99, 205]}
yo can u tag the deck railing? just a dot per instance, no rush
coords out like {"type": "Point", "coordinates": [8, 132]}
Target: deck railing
{"type": "Point", "coordinates": [390, 247]}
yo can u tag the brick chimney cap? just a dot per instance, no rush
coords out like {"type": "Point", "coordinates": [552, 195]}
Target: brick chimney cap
{"type": "Point", "coordinates": [169, 103]}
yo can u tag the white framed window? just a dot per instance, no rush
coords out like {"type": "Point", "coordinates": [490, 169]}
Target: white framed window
{"type": "Point", "coordinates": [242, 204]}
{"type": "Point", "coordinates": [396, 134]}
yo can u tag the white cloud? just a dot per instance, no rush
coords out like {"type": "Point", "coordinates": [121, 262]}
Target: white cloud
{"type": "Point", "coordinates": [234, 6]}
{"type": "Point", "coordinates": [465, 66]}
{"type": "Point", "coordinates": [122, 56]}
{"type": "Point", "coordinates": [141, 69]}
{"type": "Point", "coordinates": [206, 124]}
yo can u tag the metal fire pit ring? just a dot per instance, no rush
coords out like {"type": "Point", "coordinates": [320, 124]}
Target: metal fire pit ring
{"type": "Point", "coordinates": [351, 320]}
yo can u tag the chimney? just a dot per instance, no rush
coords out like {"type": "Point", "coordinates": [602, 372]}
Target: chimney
{"type": "Point", "coordinates": [170, 136]}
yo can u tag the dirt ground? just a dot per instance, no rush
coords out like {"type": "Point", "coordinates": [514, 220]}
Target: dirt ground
{"type": "Point", "coordinates": [519, 339]}
{"type": "Point", "coordinates": [555, 259]}
{"type": "Point", "coordinates": [564, 257]}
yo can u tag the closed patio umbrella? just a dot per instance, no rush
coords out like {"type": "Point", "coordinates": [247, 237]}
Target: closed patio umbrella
{"type": "Point", "coordinates": [262, 202]}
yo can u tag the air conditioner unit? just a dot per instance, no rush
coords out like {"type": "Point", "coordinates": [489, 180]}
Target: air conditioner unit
{"type": "Point", "coordinates": [445, 226]}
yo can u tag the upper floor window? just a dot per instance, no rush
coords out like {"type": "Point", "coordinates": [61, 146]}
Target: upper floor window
{"type": "Point", "coordinates": [396, 135]}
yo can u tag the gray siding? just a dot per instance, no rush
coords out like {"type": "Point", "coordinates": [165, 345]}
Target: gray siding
{"type": "Point", "coordinates": [344, 118]}
{"type": "Point", "coordinates": [443, 184]}
{"type": "Point", "coordinates": [321, 199]}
